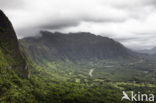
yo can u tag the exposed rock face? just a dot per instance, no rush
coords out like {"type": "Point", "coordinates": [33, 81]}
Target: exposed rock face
{"type": "Point", "coordinates": [8, 37]}
{"type": "Point", "coordinates": [9, 46]}
{"type": "Point", "coordinates": [74, 47]}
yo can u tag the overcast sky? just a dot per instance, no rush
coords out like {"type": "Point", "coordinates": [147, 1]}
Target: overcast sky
{"type": "Point", "coordinates": [131, 22]}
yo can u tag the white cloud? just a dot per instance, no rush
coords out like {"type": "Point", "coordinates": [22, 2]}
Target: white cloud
{"type": "Point", "coordinates": [131, 22]}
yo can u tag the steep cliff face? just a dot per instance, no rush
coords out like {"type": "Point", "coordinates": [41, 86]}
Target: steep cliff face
{"type": "Point", "coordinates": [75, 47]}
{"type": "Point", "coordinates": [10, 54]}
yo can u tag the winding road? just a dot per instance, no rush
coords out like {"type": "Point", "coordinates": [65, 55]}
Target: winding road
{"type": "Point", "coordinates": [91, 72]}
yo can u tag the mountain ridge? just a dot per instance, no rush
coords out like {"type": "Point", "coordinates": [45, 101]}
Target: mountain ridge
{"type": "Point", "coordinates": [74, 47]}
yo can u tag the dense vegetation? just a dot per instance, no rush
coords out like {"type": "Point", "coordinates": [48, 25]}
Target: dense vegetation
{"type": "Point", "coordinates": [58, 82]}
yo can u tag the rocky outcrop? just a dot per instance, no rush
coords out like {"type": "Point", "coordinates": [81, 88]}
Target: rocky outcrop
{"type": "Point", "coordinates": [9, 47]}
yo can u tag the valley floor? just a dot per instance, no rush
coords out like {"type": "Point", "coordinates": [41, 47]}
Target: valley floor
{"type": "Point", "coordinates": [58, 82]}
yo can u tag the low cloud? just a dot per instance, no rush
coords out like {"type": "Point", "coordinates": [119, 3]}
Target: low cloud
{"type": "Point", "coordinates": [132, 22]}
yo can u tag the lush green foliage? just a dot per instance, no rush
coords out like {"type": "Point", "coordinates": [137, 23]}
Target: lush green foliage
{"type": "Point", "coordinates": [58, 82]}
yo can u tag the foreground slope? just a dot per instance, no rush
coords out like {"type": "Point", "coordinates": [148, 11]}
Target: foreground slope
{"type": "Point", "coordinates": [10, 55]}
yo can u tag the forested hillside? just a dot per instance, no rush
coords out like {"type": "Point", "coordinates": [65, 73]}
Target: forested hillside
{"type": "Point", "coordinates": [69, 68]}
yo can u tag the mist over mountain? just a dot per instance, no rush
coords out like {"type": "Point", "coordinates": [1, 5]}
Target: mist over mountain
{"type": "Point", "coordinates": [74, 47]}
{"type": "Point", "coordinates": [10, 54]}
{"type": "Point", "coordinates": [148, 51]}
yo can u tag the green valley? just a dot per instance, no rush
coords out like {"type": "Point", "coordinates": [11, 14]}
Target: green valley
{"type": "Point", "coordinates": [70, 68]}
